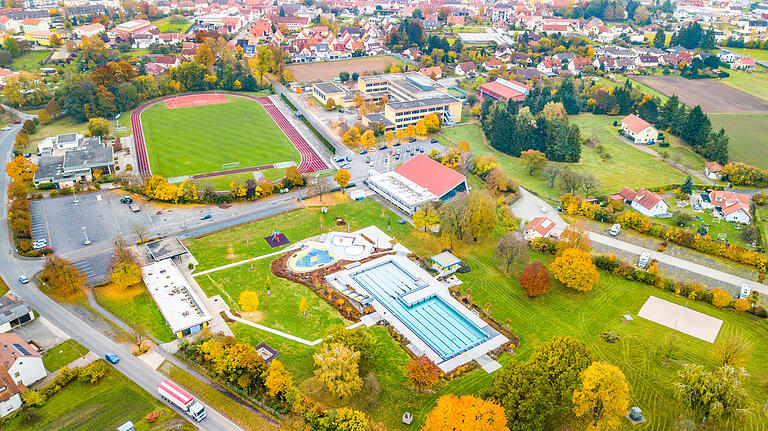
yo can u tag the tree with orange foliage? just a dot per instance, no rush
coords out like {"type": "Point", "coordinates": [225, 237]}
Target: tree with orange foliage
{"type": "Point", "coordinates": [465, 412]}
{"type": "Point", "coordinates": [423, 373]}
{"type": "Point", "coordinates": [535, 279]}
{"type": "Point", "coordinates": [21, 168]}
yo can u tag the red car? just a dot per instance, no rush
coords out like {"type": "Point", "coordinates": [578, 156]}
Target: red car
{"type": "Point", "coordinates": [17, 122]}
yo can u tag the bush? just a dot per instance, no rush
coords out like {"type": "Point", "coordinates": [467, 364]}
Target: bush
{"type": "Point", "coordinates": [606, 262]}
{"type": "Point", "coordinates": [92, 373]}
{"type": "Point", "coordinates": [664, 144]}
{"type": "Point", "coordinates": [610, 337]}
{"type": "Point", "coordinates": [721, 298]}
{"type": "Point", "coordinates": [128, 167]}
{"type": "Point", "coordinates": [33, 398]}
{"type": "Point", "coordinates": [463, 268]}
{"type": "Point", "coordinates": [543, 245]}
{"type": "Point", "coordinates": [741, 305]}
{"type": "Point", "coordinates": [46, 186]}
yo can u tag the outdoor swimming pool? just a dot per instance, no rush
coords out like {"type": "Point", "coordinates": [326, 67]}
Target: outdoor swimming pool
{"type": "Point", "coordinates": [442, 327]}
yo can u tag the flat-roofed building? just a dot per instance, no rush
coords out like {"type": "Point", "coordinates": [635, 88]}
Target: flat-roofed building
{"type": "Point", "coordinates": [178, 303]}
{"type": "Point", "coordinates": [412, 96]}
{"type": "Point", "coordinates": [503, 90]}
{"type": "Point", "coordinates": [328, 90]}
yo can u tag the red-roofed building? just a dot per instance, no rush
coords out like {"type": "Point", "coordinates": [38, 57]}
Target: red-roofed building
{"type": "Point", "coordinates": [23, 362]}
{"type": "Point", "coordinates": [540, 227]}
{"type": "Point", "coordinates": [713, 170]}
{"type": "Point", "coordinates": [733, 206]}
{"type": "Point", "coordinates": [643, 201]}
{"type": "Point", "coordinates": [503, 90]}
{"type": "Point", "coordinates": [10, 395]}
{"type": "Point", "coordinates": [418, 182]}
{"type": "Point", "coordinates": [639, 130]}
{"type": "Point", "coordinates": [432, 72]}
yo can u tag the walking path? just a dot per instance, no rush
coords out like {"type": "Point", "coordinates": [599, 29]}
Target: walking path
{"type": "Point", "coordinates": [242, 262]}
{"type": "Point", "coordinates": [79, 362]}
{"type": "Point", "coordinates": [682, 168]}
{"type": "Point", "coordinates": [272, 331]}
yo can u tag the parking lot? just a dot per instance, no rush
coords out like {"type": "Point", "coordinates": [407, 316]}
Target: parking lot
{"type": "Point", "coordinates": [388, 159]}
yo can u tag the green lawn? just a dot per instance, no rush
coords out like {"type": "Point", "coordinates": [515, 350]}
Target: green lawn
{"type": "Point", "coordinates": [62, 354]}
{"type": "Point", "coordinates": [215, 399]}
{"type": "Point", "coordinates": [747, 134]}
{"type": "Point", "coordinates": [105, 405]}
{"type": "Point", "coordinates": [754, 83]}
{"type": "Point", "coordinates": [247, 241]}
{"type": "Point", "coordinates": [222, 182]}
{"type": "Point", "coordinates": [164, 25]}
{"type": "Point", "coordinates": [3, 286]}
{"type": "Point", "coordinates": [136, 309]}
{"type": "Point", "coordinates": [732, 235]}
{"type": "Point", "coordinates": [633, 164]}
{"type": "Point", "coordinates": [280, 310]}
{"type": "Point", "coordinates": [757, 54]}
{"type": "Point", "coordinates": [29, 61]}
{"type": "Point", "coordinates": [196, 140]}
{"type": "Point", "coordinates": [642, 87]}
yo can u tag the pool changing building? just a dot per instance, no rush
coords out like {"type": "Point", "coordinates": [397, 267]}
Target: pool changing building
{"type": "Point", "coordinates": [417, 182]}
{"type": "Point", "coordinates": [180, 306]}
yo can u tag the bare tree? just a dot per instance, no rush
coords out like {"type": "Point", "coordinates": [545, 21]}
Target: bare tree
{"type": "Point", "coordinates": [123, 252]}
{"type": "Point", "coordinates": [550, 173]}
{"type": "Point", "coordinates": [318, 187]}
{"type": "Point", "coordinates": [669, 350]}
{"type": "Point", "coordinates": [590, 183]}
{"type": "Point", "coordinates": [510, 249]}
{"type": "Point", "coordinates": [570, 181]}
{"type": "Point", "coordinates": [141, 231]}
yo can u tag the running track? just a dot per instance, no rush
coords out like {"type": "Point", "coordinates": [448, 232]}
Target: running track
{"type": "Point", "coordinates": [310, 160]}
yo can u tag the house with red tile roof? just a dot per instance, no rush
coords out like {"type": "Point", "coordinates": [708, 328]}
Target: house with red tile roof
{"type": "Point", "coordinates": [432, 72]}
{"type": "Point", "coordinates": [643, 201]}
{"type": "Point", "coordinates": [734, 207]}
{"type": "Point", "coordinates": [744, 63]}
{"type": "Point", "coordinates": [22, 360]}
{"type": "Point", "coordinates": [577, 64]}
{"type": "Point", "coordinates": [713, 170]}
{"type": "Point", "coordinates": [465, 68]}
{"type": "Point", "coordinates": [540, 227]}
{"type": "Point", "coordinates": [10, 394]}
{"type": "Point", "coordinates": [639, 130]}
{"type": "Point", "coordinates": [491, 64]}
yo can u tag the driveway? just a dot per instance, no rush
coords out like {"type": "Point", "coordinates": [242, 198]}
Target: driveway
{"type": "Point", "coordinates": [530, 206]}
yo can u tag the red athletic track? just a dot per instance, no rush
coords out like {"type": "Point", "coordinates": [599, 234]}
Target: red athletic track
{"type": "Point", "coordinates": [310, 160]}
{"type": "Point", "coordinates": [195, 100]}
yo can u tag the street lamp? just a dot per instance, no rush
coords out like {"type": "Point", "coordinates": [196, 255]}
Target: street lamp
{"type": "Point", "coordinates": [87, 241]}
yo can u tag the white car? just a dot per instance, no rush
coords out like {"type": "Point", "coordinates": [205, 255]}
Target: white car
{"type": "Point", "coordinates": [645, 258]}
{"type": "Point", "coordinates": [41, 243]}
{"type": "Point", "coordinates": [6, 128]}
{"type": "Point", "coordinates": [23, 279]}
{"type": "Point", "coordinates": [544, 209]}
{"type": "Point", "coordinates": [615, 229]}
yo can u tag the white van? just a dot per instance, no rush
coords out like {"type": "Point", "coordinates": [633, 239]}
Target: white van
{"type": "Point", "coordinates": [645, 258]}
{"type": "Point", "coordinates": [615, 229]}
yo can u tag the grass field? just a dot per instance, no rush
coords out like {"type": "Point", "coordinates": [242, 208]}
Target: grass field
{"type": "Point", "coordinates": [642, 87]}
{"type": "Point", "coordinates": [136, 308]}
{"type": "Point", "coordinates": [747, 134]}
{"type": "Point", "coordinates": [754, 83]}
{"type": "Point", "coordinates": [164, 25]}
{"type": "Point", "coordinates": [633, 164]}
{"type": "Point", "coordinates": [29, 61]}
{"type": "Point", "coordinates": [105, 405]}
{"type": "Point", "coordinates": [280, 309]}
{"type": "Point", "coordinates": [757, 54]}
{"type": "Point", "coordinates": [215, 399]}
{"type": "Point", "coordinates": [196, 140]}
{"type": "Point", "coordinates": [62, 354]}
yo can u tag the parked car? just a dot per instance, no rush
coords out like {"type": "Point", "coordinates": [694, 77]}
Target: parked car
{"type": "Point", "coordinates": [383, 147]}
{"type": "Point", "coordinates": [367, 160]}
{"type": "Point", "coordinates": [412, 140]}
{"type": "Point", "coordinates": [6, 128]}
{"type": "Point", "coordinates": [396, 144]}
{"type": "Point", "coordinates": [349, 159]}
{"type": "Point", "coordinates": [338, 159]}
{"type": "Point", "coordinates": [345, 165]}
{"type": "Point", "coordinates": [645, 259]}
{"type": "Point", "coordinates": [41, 243]}
{"type": "Point", "coordinates": [434, 141]}
{"type": "Point", "coordinates": [126, 200]}
{"type": "Point", "coordinates": [133, 207]}
{"type": "Point", "coordinates": [364, 152]}
{"type": "Point", "coordinates": [205, 217]}
{"type": "Point", "coordinates": [17, 122]}
{"type": "Point", "coordinates": [111, 357]}
{"type": "Point", "coordinates": [23, 279]}
{"type": "Point", "coordinates": [421, 149]}
{"type": "Point", "coordinates": [615, 229]}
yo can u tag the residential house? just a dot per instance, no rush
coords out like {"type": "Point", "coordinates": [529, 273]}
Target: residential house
{"type": "Point", "coordinates": [491, 65]}
{"type": "Point", "coordinates": [9, 25]}
{"type": "Point", "coordinates": [744, 63]}
{"type": "Point", "coordinates": [564, 57]}
{"type": "Point", "coordinates": [549, 66]}
{"type": "Point", "coordinates": [22, 360]}
{"type": "Point", "coordinates": [527, 74]}
{"type": "Point", "coordinates": [5, 74]}
{"type": "Point", "coordinates": [466, 68]}
{"type": "Point", "coordinates": [577, 64]}
{"type": "Point", "coordinates": [89, 30]}
{"type": "Point", "coordinates": [647, 61]}
{"type": "Point", "coordinates": [432, 72]}
{"type": "Point", "coordinates": [540, 227]}
{"type": "Point", "coordinates": [713, 170]}
{"type": "Point", "coordinates": [643, 201]}
{"type": "Point", "coordinates": [734, 207]}
{"type": "Point", "coordinates": [10, 395]}
{"type": "Point", "coordinates": [13, 312]}
{"type": "Point", "coordinates": [457, 20]}
{"type": "Point", "coordinates": [639, 130]}
{"type": "Point", "coordinates": [34, 24]}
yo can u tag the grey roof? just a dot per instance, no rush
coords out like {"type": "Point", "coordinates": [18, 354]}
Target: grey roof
{"type": "Point", "coordinates": [11, 307]}
{"type": "Point", "coordinates": [166, 248]}
{"type": "Point", "coordinates": [423, 103]}
{"type": "Point", "coordinates": [378, 117]}
{"type": "Point", "coordinates": [88, 157]}
{"type": "Point", "coordinates": [48, 168]}
{"type": "Point", "coordinates": [67, 137]}
{"type": "Point", "coordinates": [329, 87]}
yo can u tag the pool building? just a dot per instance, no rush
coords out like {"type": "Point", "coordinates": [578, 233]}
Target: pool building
{"type": "Point", "coordinates": [421, 308]}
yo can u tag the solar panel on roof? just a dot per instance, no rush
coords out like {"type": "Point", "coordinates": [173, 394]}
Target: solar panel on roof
{"type": "Point", "coordinates": [21, 349]}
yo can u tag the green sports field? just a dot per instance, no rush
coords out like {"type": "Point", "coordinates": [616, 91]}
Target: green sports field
{"type": "Point", "coordinates": [200, 139]}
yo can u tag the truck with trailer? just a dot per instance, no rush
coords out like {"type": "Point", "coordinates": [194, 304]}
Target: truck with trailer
{"type": "Point", "coordinates": [172, 393]}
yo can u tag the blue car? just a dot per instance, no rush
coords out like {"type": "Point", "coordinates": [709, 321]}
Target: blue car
{"type": "Point", "coordinates": [205, 217]}
{"type": "Point", "coordinates": [111, 357]}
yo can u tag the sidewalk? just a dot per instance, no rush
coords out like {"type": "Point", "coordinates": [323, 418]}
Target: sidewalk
{"type": "Point", "coordinates": [79, 362]}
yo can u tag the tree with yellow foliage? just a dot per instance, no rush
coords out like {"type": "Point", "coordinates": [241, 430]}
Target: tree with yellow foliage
{"type": "Point", "coordinates": [421, 128]}
{"type": "Point", "coordinates": [410, 131]}
{"type": "Point", "coordinates": [249, 301]}
{"type": "Point", "coordinates": [401, 135]}
{"type": "Point", "coordinates": [432, 121]}
{"type": "Point", "coordinates": [125, 275]}
{"type": "Point", "coordinates": [602, 395]}
{"type": "Point", "coordinates": [204, 56]}
{"type": "Point", "coordinates": [352, 136]}
{"type": "Point", "coordinates": [342, 177]}
{"type": "Point", "coordinates": [721, 298]}
{"type": "Point", "coordinates": [303, 307]}
{"type": "Point", "coordinates": [21, 168]}
{"type": "Point", "coordinates": [465, 412]}
{"type": "Point", "coordinates": [368, 139]}
{"type": "Point", "coordinates": [389, 136]}
{"type": "Point", "coordinates": [574, 268]}
{"type": "Point", "coordinates": [277, 380]}
{"type": "Point", "coordinates": [426, 218]}
{"type": "Point", "coordinates": [337, 369]}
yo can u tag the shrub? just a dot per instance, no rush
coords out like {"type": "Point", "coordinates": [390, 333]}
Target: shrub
{"type": "Point", "coordinates": [606, 262]}
{"type": "Point", "coordinates": [92, 373]}
{"type": "Point", "coordinates": [759, 311]}
{"type": "Point", "coordinates": [34, 398]}
{"type": "Point", "coordinates": [543, 245]}
{"type": "Point", "coordinates": [664, 144]}
{"type": "Point", "coordinates": [128, 167]}
{"type": "Point", "coordinates": [741, 305]}
{"type": "Point", "coordinates": [721, 298]}
{"type": "Point", "coordinates": [610, 337]}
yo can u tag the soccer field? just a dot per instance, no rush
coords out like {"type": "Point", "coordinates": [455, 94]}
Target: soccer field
{"type": "Point", "coordinates": [200, 139]}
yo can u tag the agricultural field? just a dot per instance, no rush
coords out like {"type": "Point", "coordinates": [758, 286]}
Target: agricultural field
{"type": "Point", "coordinates": [110, 402]}
{"type": "Point", "coordinates": [747, 134]}
{"type": "Point", "coordinates": [713, 96]}
{"type": "Point", "coordinates": [201, 139]}
{"type": "Point", "coordinates": [326, 70]}
{"type": "Point", "coordinates": [754, 83]}
{"type": "Point", "coordinates": [631, 162]}
{"type": "Point", "coordinates": [62, 354]}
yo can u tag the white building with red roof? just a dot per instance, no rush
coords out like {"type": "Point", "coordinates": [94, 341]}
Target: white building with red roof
{"type": "Point", "coordinates": [733, 206]}
{"type": "Point", "coordinates": [540, 227]}
{"type": "Point", "coordinates": [645, 202]}
{"type": "Point", "coordinates": [22, 360]}
{"type": "Point", "coordinates": [639, 130]}
{"type": "Point", "coordinates": [713, 170]}
{"type": "Point", "coordinates": [417, 182]}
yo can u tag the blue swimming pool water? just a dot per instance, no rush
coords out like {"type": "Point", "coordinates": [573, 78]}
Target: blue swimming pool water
{"type": "Point", "coordinates": [435, 321]}
{"type": "Point", "coordinates": [314, 257]}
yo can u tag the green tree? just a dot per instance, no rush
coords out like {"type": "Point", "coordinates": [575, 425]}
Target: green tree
{"type": "Point", "coordinates": [359, 339]}
{"type": "Point", "coordinates": [533, 160]}
{"type": "Point", "coordinates": [687, 186]}
{"type": "Point", "coordinates": [660, 39]}
{"type": "Point", "coordinates": [337, 369]}
{"type": "Point", "coordinates": [11, 45]}
{"type": "Point", "coordinates": [713, 396]}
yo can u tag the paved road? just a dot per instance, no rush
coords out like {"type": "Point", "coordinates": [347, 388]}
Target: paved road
{"type": "Point", "coordinates": [530, 205]}
{"type": "Point", "coordinates": [130, 366]}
